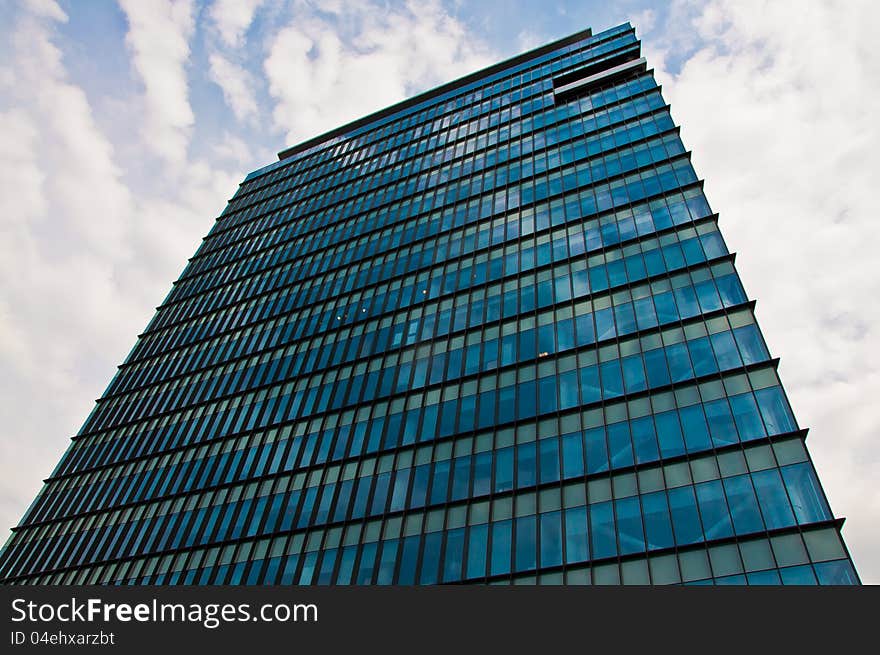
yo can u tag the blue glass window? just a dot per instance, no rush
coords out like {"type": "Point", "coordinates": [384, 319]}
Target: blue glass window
{"type": "Point", "coordinates": [380, 493]}
{"type": "Point", "coordinates": [346, 565]}
{"type": "Point", "coordinates": [620, 445]}
{"type": "Point", "coordinates": [730, 289]}
{"type": "Point", "coordinates": [836, 572]}
{"type": "Point", "coordinates": [482, 473]}
{"type": "Point", "coordinates": [667, 310]}
{"type": "Point", "coordinates": [708, 296]}
{"type": "Point", "coordinates": [420, 485]}
{"type": "Point", "coordinates": [629, 525]}
{"type": "Point", "coordinates": [431, 558]}
{"type": "Point", "coordinates": [696, 431]}
{"type": "Point", "coordinates": [773, 499]}
{"type": "Point", "coordinates": [448, 414]}
{"type": "Point", "coordinates": [713, 510]}
{"type": "Point", "coordinates": [604, 539]}
{"type": "Point", "coordinates": [775, 411]}
{"type": "Point", "coordinates": [645, 440]}
{"type": "Point", "coordinates": [577, 546]}
{"type": "Point", "coordinates": [658, 527]}
{"type": "Point", "coordinates": [591, 391]}
{"type": "Point", "coordinates": [625, 317]}
{"type": "Point", "coordinates": [565, 335]}
{"type": "Point", "coordinates": [669, 434]}
{"type": "Point", "coordinates": [798, 575]}
{"type": "Point", "coordinates": [679, 362]}
{"type": "Point", "coordinates": [306, 573]}
{"type": "Point", "coordinates": [478, 542]}
{"type": "Point", "coordinates": [725, 351]}
{"type": "Point", "coordinates": [685, 519]}
{"type": "Point", "coordinates": [612, 382]}
{"type": "Point", "coordinates": [408, 559]}
{"type": "Point", "coordinates": [549, 455]}
{"type": "Point", "coordinates": [467, 413]}
{"type": "Point", "coordinates": [745, 413]}
{"type": "Point", "coordinates": [770, 577]}
{"type": "Point", "coordinates": [655, 363]}
{"type": "Point", "coordinates": [461, 477]}
{"type": "Point", "coordinates": [686, 299]}
{"type": "Point", "coordinates": [440, 482]}
{"type": "Point", "coordinates": [365, 568]}
{"type": "Point", "coordinates": [596, 450]}
{"type": "Point", "coordinates": [387, 561]}
{"type": "Point", "coordinates": [525, 399]}
{"type": "Point", "coordinates": [646, 316]}
{"type": "Point", "coordinates": [702, 356]}
{"type": "Point", "coordinates": [605, 324]}
{"type": "Point", "coordinates": [634, 373]}
{"type": "Point", "coordinates": [721, 424]}
{"type": "Point", "coordinates": [805, 493]}
{"type": "Point", "coordinates": [743, 504]}
{"type": "Point", "coordinates": [501, 547]}
{"type": "Point", "coordinates": [572, 455]}
{"type": "Point", "coordinates": [504, 469]}
{"type": "Point", "coordinates": [454, 553]}
{"type": "Point", "coordinates": [486, 417]}
{"type": "Point", "coordinates": [551, 539]}
{"type": "Point", "coordinates": [751, 345]}
{"type": "Point", "coordinates": [547, 394]}
{"type": "Point", "coordinates": [526, 465]}
{"type": "Point", "coordinates": [584, 330]}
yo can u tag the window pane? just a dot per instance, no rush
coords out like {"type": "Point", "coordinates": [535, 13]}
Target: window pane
{"type": "Point", "coordinates": [478, 536]}
{"type": "Point", "coordinates": [431, 558]}
{"type": "Point", "coordinates": [629, 525]}
{"type": "Point", "coordinates": [685, 519]}
{"type": "Point", "coordinates": [577, 546]}
{"type": "Point", "coordinates": [453, 555]}
{"type": "Point", "coordinates": [551, 539]}
{"type": "Point", "coordinates": [572, 455]}
{"type": "Point", "coordinates": [743, 504]}
{"type": "Point", "coordinates": [713, 510]}
{"type": "Point", "coordinates": [745, 413]}
{"type": "Point", "coordinates": [805, 493]}
{"type": "Point", "coordinates": [526, 547]}
{"type": "Point", "coordinates": [549, 454]}
{"type": "Point", "coordinates": [773, 499]}
{"type": "Point", "coordinates": [501, 547]}
{"type": "Point", "coordinates": [596, 449]}
{"type": "Point", "coordinates": [657, 523]}
{"type": "Point", "coordinates": [602, 530]}
{"type": "Point", "coordinates": [775, 411]}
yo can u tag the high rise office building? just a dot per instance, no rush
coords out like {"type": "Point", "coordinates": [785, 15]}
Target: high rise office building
{"type": "Point", "coordinates": [489, 334]}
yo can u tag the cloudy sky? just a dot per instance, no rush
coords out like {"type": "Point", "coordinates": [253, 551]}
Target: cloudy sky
{"type": "Point", "coordinates": [124, 127]}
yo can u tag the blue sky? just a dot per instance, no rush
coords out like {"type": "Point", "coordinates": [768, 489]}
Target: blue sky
{"type": "Point", "coordinates": [125, 127]}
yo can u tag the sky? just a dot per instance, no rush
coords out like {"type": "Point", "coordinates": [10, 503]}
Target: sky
{"type": "Point", "coordinates": [125, 127]}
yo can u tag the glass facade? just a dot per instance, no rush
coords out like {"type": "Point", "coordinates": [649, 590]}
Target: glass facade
{"type": "Point", "coordinates": [491, 335]}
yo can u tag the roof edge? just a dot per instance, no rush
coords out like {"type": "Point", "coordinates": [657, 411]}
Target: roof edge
{"type": "Point", "coordinates": [443, 88]}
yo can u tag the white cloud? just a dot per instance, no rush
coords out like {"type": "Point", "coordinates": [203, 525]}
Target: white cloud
{"type": "Point", "coordinates": [325, 69]}
{"type": "Point", "coordinates": [46, 9]}
{"type": "Point", "coordinates": [644, 21]}
{"type": "Point", "coordinates": [158, 38]}
{"type": "Point", "coordinates": [237, 85]}
{"type": "Point", "coordinates": [529, 40]}
{"type": "Point", "coordinates": [232, 18]}
{"type": "Point", "coordinates": [65, 219]}
{"type": "Point", "coordinates": [780, 108]}
{"type": "Point", "coordinates": [84, 256]}
{"type": "Point", "coordinates": [233, 148]}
